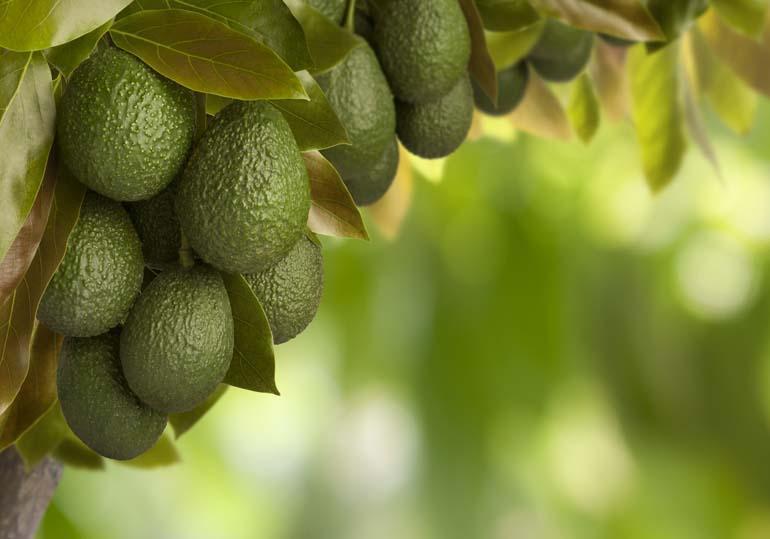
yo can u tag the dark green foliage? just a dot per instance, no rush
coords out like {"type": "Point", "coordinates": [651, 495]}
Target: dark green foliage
{"type": "Point", "coordinates": [562, 51]}
{"type": "Point", "coordinates": [100, 274]}
{"type": "Point", "coordinates": [177, 342]}
{"type": "Point", "coordinates": [158, 228]}
{"type": "Point", "coordinates": [511, 86]}
{"type": "Point", "coordinates": [124, 130]}
{"type": "Point", "coordinates": [359, 94]}
{"type": "Point", "coordinates": [97, 402]}
{"type": "Point", "coordinates": [437, 128]}
{"type": "Point", "coordinates": [290, 291]}
{"type": "Point", "coordinates": [424, 47]}
{"type": "Point", "coordinates": [333, 9]}
{"type": "Point", "coordinates": [244, 197]}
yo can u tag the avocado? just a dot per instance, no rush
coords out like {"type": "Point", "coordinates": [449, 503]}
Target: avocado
{"type": "Point", "coordinates": [124, 130]}
{"type": "Point", "coordinates": [437, 128]}
{"type": "Point", "coordinates": [370, 185]}
{"type": "Point", "coordinates": [424, 47]}
{"type": "Point", "coordinates": [100, 274]}
{"type": "Point", "coordinates": [511, 86]}
{"type": "Point", "coordinates": [331, 9]}
{"type": "Point", "coordinates": [244, 196]}
{"type": "Point", "coordinates": [561, 52]}
{"type": "Point", "coordinates": [290, 291]}
{"type": "Point", "coordinates": [158, 228]}
{"type": "Point", "coordinates": [97, 403]}
{"type": "Point", "coordinates": [358, 93]}
{"type": "Point", "coordinates": [177, 342]}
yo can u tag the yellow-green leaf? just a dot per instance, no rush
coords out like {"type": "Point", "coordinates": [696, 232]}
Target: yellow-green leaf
{"type": "Point", "coordinates": [506, 15]}
{"type": "Point", "coordinates": [583, 109]}
{"type": "Point", "coordinates": [68, 56]}
{"type": "Point", "coordinates": [183, 422]}
{"type": "Point", "coordinates": [43, 438]}
{"type": "Point", "coordinates": [747, 16]}
{"type": "Point", "coordinates": [163, 453]}
{"type": "Point", "coordinates": [508, 48]}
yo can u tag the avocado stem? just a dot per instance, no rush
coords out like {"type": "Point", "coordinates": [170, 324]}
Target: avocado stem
{"type": "Point", "coordinates": [350, 18]}
{"type": "Point", "coordinates": [185, 253]}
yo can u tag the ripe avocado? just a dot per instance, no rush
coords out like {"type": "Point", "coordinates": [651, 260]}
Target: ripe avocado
{"type": "Point", "coordinates": [359, 94]}
{"type": "Point", "coordinates": [290, 291]}
{"type": "Point", "coordinates": [100, 275]}
{"type": "Point", "coordinates": [511, 86]}
{"type": "Point", "coordinates": [332, 9]}
{"type": "Point", "coordinates": [437, 128]}
{"type": "Point", "coordinates": [158, 228]}
{"type": "Point", "coordinates": [244, 196]}
{"type": "Point", "coordinates": [177, 342]}
{"type": "Point", "coordinates": [424, 47]}
{"type": "Point", "coordinates": [561, 52]}
{"type": "Point", "coordinates": [123, 130]}
{"type": "Point", "coordinates": [97, 403]}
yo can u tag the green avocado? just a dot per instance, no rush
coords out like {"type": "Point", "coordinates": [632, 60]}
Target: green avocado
{"type": "Point", "coordinates": [332, 9]}
{"type": "Point", "coordinates": [244, 196]}
{"type": "Point", "coordinates": [290, 291]}
{"type": "Point", "coordinates": [97, 403]}
{"type": "Point", "coordinates": [370, 185]}
{"type": "Point", "coordinates": [437, 128]}
{"type": "Point", "coordinates": [358, 93]}
{"type": "Point", "coordinates": [177, 342]}
{"type": "Point", "coordinates": [158, 228]}
{"type": "Point", "coordinates": [511, 86]}
{"type": "Point", "coordinates": [123, 130]}
{"type": "Point", "coordinates": [561, 52]}
{"type": "Point", "coordinates": [424, 47]}
{"type": "Point", "coordinates": [100, 275]}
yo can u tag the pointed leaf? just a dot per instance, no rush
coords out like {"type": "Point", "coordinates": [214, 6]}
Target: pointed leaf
{"type": "Point", "coordinates": [253, 364]}
{"type": "Point", "coordinates": [389, 212]}
{"type": "Point", "coordinates": [183, 422]}
{"type": "Point", "coordinates": [481, 66]}
{"type": "Point", "coordinates": [27, 25]}
{"type": "Point", "coordinates": [314, 124]}
{"type": "Point", "coordinates": [540, 112]}
{"type": "Point", "coordinates": [17, 313]}
{"type": "Point", "coordinates": [163, 453]}
{"type": "Point", "coordinates": [332, 210]}
{"type": "Point", "coordinates": [206, 55]}
{"type": "Point", "coordinates": [43, 438]}
{"type": "Point", "coordinates": [583, 109]}
{"type": "Point", "coordinates": [698, 132]}
{"type": "Point", "coordinates": [67, 57]}
{"type": "Point", "coordinates": [747, 16]}
{"type": "Point", "coordinates": [506, 15]}
{"type": "Point", "coordinates": [611, 79]}
{"type": "Point", "coordinates": [72, 452]}
{"type": "Point", "coordinates": [508, 48]}
{"type": "Point", "coordinates": [628, 19]}
{"type": "Point", "coordinates": [27, 118]}
{"type": "Point", "coordinates": [657, 113]}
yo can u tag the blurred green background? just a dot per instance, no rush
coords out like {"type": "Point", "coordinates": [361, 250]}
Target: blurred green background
{"type": "Point", "coordinates": [547, 351]}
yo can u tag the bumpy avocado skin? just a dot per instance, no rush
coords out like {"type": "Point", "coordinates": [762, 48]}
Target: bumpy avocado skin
{"type": "Point", "coordinates": [511, 86]}
{"type": "Point", "coordinates": [332, 9]}
{"type": "Point", "coordinates": [370, 185]}
{"type": "Point", "coordinates": [437, 128]}
{"type": "Point", "coordinates": [424, 47]}
{"type": "Point", "coordinates": [290, 291]}
{"type": "Point", "coordinates": [158, 227]}
{"type": "Point", "coordinates": [97, 403]}
{"type": "Point", "coordinates": [100, 275]}
{"type": "Point", "coordinates": [244, 197]}
{"type": "Point", "coordinates": [123, 130]}
{"type": "Point", "coordinates": [561, 52]}
{"type": "Point", "coordinates": [177, 342]}
{"type": "Point", "coordinates": [358, 93]}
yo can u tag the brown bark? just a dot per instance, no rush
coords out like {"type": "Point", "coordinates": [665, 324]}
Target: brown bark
{"type": "Point", "coordinates": [24, 496]}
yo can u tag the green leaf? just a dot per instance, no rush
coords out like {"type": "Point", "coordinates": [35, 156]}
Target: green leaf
{"type": "Point", "coordinates": [506, 15]}
{"type": "Point", "coordinates": [508, 48]}
{"type": "Point", "coordinates": [214, 104]}
{"type": "Point", "coordinates": [697, 129]}
{"type": "Point", "coordinates": [38, 393]}
{"type": "Point", "coordinates": [657, 113]}
{"type": "Point", "coordinates": [27, 124]}
{"type": "Point", "coordinates": [17, 313]}
{"type": "Point", "coordinates": [328, 42]}
{"type": "Point", "coordinates": [747, 16]}
{"type": "Point", "coordinates": [43, 438]}
{"type": "Point", "coordinates": [253, 364]}
{"type": "Point", "coordinates": [628, 19]}
{"type": "Point", "coordinates": [481, 66]}
{"type": "Point", "coordinates": [746, 57]}
{"type": "Point", "coordinates": [163, 453]}
{"type": "Point", "coordinates": [183, 422]}
{"type": "Point", "coordinates": [67, 57]}
{"type": "Point", "coordinates": [268, 21]}
{"type": "Point", "coordinates": [72, 452]}
{"type": "Point", "coordinates": [27, 25]}
{"type": "Point", "coordinates": [675, 16]}
{"type": "Point", "coordinates": [332, 210]}
{"type": "Point", "coordinates": [206, 55]}
{"type": "Point", "coordinates": [583, 109]}
{"type": "Point", "coordinates": [314, 123]}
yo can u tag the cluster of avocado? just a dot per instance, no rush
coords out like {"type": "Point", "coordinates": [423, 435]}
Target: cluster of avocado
{"type": "Point", "coordinates": [149, 332]}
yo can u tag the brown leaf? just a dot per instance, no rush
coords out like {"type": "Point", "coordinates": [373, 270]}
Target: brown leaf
{"type": "Point", "coordinates": [481, 66]}
{"type": "Point", "coordinates": [608, 71]}
{"type": "Point", "coordinates": [540, 112]}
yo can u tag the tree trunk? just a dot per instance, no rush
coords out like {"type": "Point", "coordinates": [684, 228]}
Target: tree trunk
{"type": "Point", "coordinates": [24, 496]}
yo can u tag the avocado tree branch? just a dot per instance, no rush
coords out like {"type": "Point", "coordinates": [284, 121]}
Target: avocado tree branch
{"type": "Point", "coordinates": [24, 496]}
